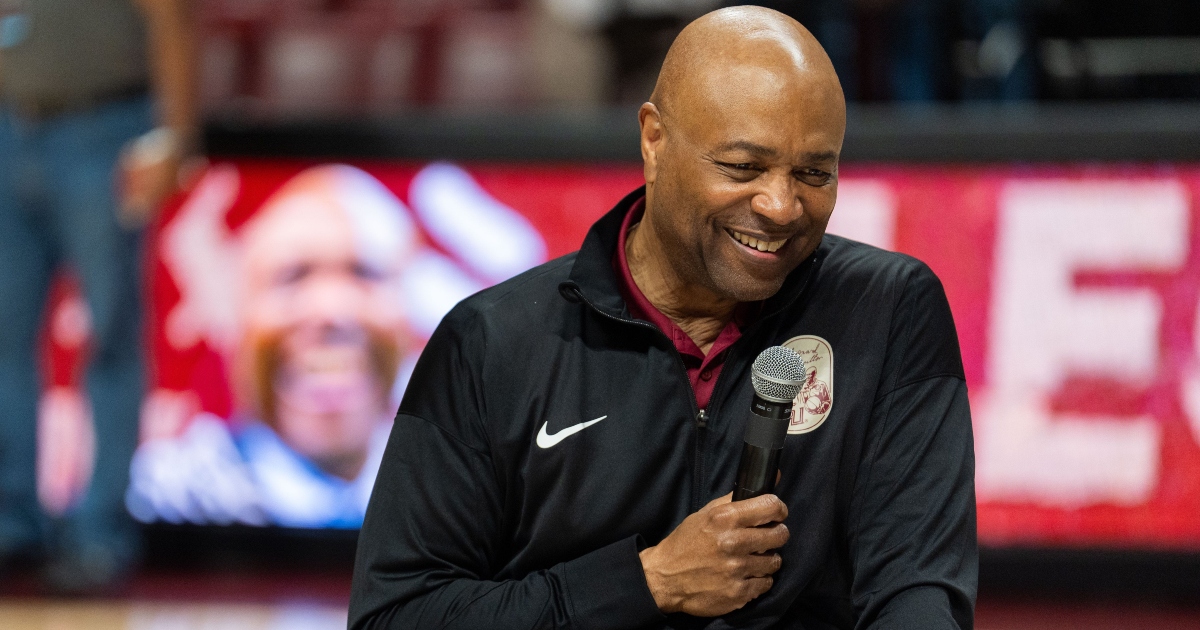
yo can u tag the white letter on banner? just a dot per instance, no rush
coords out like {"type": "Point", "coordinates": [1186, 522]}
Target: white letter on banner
{"type": "Point", "coordinates": [865, 212]}
{"type": "Point", "coordinates": [1189, 382]}
{"type": "Point", "coordinates": [1044, 329]}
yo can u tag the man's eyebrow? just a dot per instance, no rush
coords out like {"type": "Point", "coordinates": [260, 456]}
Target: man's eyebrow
{"type": "Point", "coordinates": [760, 151]}
{"type": "Point", "coordinates": [756, 150]}
{"type": "Point", "coordinates": [821, 156]}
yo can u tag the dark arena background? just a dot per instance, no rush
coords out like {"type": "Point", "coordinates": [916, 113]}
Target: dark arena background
{"type": "Point", "coordinates": [1042, 156]}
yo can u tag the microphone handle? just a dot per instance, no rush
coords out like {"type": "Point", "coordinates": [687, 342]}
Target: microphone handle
{"type": "Point", "coordinates": [765, 432]}
{"type": "Point", "coordinates": [756, 474]}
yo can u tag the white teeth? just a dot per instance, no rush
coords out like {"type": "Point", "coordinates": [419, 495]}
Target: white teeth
{"type": "Point", "coordinates": [762, 246]}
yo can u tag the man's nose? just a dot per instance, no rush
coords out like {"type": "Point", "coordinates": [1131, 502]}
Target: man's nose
{"type": "Point", "coordinates": [332, 299]}
{"type": "Point", "coordinates": [777, 200]}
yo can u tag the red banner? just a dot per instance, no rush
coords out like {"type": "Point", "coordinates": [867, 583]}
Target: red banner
{"type": "Point", "coordinates": [1074, 288]}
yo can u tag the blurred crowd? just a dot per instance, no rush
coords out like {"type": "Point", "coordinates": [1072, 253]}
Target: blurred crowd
{"type": "Point", "coordinates": [304, 58]}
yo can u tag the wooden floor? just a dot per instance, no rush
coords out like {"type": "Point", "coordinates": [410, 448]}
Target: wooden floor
{"type": "Point", "coordinates": [241, 600]}
{"type": "Point", "coordinates": [49, 614]}
{"type": "Point", "coordinates": [26, 614]}
{"type": "Point", "coordinates": [179, 600]}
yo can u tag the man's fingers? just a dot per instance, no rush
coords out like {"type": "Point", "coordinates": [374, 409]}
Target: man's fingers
{"type": "Point", "coordinates": [763, 565]}
{"type": "Point", "coordinates": [764, 539]}
{"type": "Point", "coordinates": [760, 510]}
{"type": "Point", "coordinates": [754, 587]}
{"type": "Point", "coordinates": [748, 540]}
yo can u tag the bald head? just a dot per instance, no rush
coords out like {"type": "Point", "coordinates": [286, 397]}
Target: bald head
{"type": "Point", "coordinates": [734, 46]}
{"type": "Point", "coordinates": [741, 141]}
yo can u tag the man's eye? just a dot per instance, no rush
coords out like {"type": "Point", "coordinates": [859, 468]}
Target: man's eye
{"type": "Point", "coordinates": [742, 168]}
{"type": "Point", "coordinates": [363, 271]}
{"type": "Point", "coordinates": [293, 274]}
{"type": "Point", "coordinates": [813, 176]}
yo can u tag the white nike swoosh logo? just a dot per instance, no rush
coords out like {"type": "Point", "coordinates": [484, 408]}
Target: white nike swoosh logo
{"type": "Point", "coordinates": [545, 440]}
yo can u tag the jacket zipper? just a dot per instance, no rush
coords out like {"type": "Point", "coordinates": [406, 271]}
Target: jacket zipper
{"type": "Point", "coordinates": [700, 415]}
{"type": "Point", "coordinates": [698, 457]}
{"type": "Point", "coordinates": [702, 420]}
{"type": "Point", "coordinates": [703, 417]}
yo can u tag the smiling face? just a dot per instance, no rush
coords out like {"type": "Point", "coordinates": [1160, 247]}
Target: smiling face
{"type": "Point", "coordinates": [323, 326]}
{"type": "Point", "coordinates": [741, 146]}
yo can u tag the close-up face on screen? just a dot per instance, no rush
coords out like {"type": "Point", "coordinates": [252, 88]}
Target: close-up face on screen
{"type": "Point", "coordinates": [312, 353]}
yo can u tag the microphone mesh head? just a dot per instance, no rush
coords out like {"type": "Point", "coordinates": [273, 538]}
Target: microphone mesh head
{"type": "Point", "coordinates": [777, 374]}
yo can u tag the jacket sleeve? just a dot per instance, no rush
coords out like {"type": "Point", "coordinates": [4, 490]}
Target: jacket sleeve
{"type": "Point", "coordinates": [912, 519]}
{"type": "Point", "coordinates": [432, 540]}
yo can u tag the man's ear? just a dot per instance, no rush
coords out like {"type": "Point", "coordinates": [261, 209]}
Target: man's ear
{"type": "Point", "coordinates": [650, 120]}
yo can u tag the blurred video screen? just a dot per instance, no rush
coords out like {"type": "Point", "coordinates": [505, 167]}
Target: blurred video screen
{"type": "Point", "coordinates": [289, 301]}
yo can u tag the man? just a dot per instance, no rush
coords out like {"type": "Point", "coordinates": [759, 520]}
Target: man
{"type": "Point", "coordinates": [321, 333]}
{"type": "Point", "coordinates": [565, 450]}
{"type": "Point", "coordinates": [814, 395]}
{"type": "Point", "coordinates": [76, 122]}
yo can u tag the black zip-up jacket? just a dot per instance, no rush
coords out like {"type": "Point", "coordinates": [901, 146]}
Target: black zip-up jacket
{"type": "Point", "coordinates": [472, 524]}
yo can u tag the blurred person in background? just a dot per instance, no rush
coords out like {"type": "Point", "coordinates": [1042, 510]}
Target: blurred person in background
{"type": "Point", "coordinates": [97, 117]}
{"type": "Point", "coordinates": [321, 329]}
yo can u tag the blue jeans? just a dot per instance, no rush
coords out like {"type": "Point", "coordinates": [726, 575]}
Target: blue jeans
{"type": "Point", "coordinates": [58, 207]}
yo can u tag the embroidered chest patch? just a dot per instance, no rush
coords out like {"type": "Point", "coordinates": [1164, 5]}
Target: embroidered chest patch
{"type": "Point", "coordinates": [812, 404]}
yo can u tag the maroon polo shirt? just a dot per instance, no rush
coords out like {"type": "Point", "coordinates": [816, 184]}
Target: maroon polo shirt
{"type": "Point", "coordinates": [702, 370]}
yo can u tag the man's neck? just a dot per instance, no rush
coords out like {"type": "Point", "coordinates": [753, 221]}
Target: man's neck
{"type": "Point", "coordinates": [697, 311]}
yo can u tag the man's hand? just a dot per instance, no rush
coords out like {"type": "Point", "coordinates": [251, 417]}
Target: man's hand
{"type": "Point", "coordinates": [718, 559]}
{"type": "Point", "coordinates": [152, 167]}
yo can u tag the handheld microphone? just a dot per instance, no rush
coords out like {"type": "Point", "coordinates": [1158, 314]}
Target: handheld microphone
{"type": "Point", "coordinates": [776, 376]}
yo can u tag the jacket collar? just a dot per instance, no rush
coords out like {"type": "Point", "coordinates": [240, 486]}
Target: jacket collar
{"type": "Point", "coordinates": [593, 278]}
